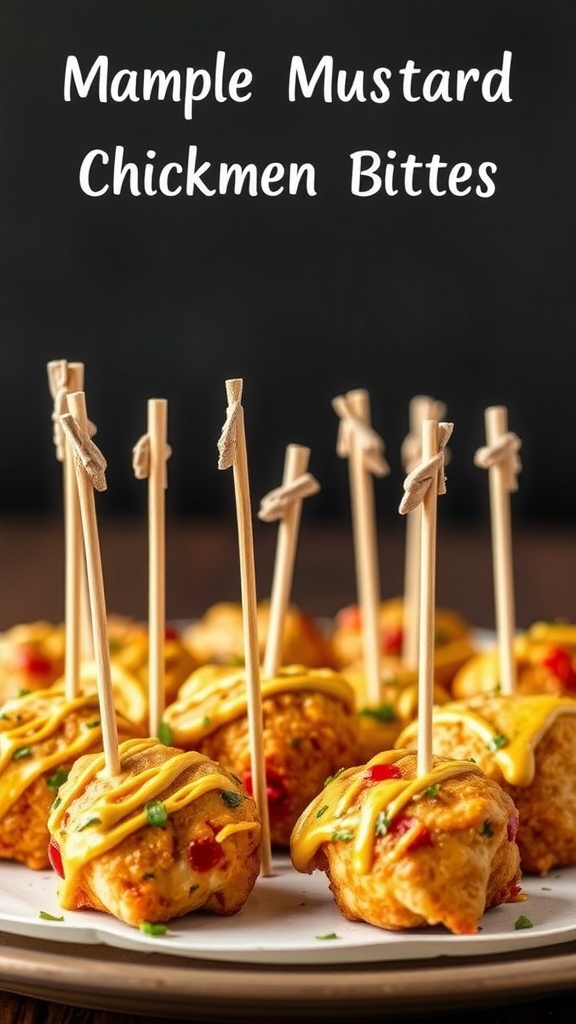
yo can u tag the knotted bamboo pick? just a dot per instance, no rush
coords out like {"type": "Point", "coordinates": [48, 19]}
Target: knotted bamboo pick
{"type": "Point", "coordinates": [232, 452]}
{"type": "Point", "coordinates": [422, 486]}
{"type": "Point", "coordinates": [64, 377]}
{"type": "Point", "coordinates": [285, 504]}
{"type": "Point", "coordinates": [500, 457]}
{"type": "Point", "coordinates": [90, 467]}
{"type": "Point", "coordinates": [364, 449]}
{"type": "Point", "coordinates": [421, 408]}
{"type": "Point", "coordinates": [149, 461]}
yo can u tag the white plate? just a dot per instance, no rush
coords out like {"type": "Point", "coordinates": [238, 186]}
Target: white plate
{"type": "Point", "coordinates": [284, 920]}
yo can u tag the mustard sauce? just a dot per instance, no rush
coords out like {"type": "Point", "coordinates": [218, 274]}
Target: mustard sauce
{"type": "Point", "coordinates": [336, 811]}
{"type": "Point", "coordinates": [510, 727]}
{"type": "Point", "coordinates": [216, 696]}
{"type": "Point", "coordinates": [20, 763]}
{"type": "Point", "coordinates": [120, 810]}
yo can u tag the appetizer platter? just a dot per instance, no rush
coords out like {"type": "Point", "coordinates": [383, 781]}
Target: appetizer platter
{"type": "Point", "coordinates": [254, 789]}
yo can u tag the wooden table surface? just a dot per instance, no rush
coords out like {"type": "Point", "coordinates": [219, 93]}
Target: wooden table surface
{"type": "Point", "coordinates": [202, 567]}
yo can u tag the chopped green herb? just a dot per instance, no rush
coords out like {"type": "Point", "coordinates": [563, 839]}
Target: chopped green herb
{"type": "Point", "coordinates": [432, 791]}
{"type": "Point", "coordinates": [322, 811]}
{"type": "Point", "coordinates": [344, 836]}
{"type": "Point", "coordinates": [331, 778]}
{"type": "Point", "coordinates": [487, 829]}
{"type": "Point", "coordinates": [91, 821]}
{"type": "Point", "coordinates": [95, 724]}
{"type": "Point", "coordinates": [382, 823]}
{"type": "Point", "coordinates": [55, 780]}
{"type": "Point", "coordinates": [165, 734]}
{"type": "Point", "coordinates": [498, 741]}
{"type": "Point", "coordinates": [382, 713]}
{"type": "Point", "coordinates": [206, 721]}
{"type": "Point", "coordinates": [23, 693]}
{"type": "Point", "coordinates": [327, 935]}
{"type": "Point", "coordinates": [156, 813]}
{"type": "Point", "coordinates": [523, 922]}
{"type": "Point", "coordinates": [153, 929]}
{"type": "Point", "coordinates": [21, 753]}
{"type": "Point", "coordinates": [45, 916]}
{"type": "Point", "coordinates": [56, 803]}
{"type": "Point", "coordinates": [231, 798]}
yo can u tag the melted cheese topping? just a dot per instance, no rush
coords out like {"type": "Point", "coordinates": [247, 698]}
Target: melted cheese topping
{"type": "Point", "coordinates": [119, 808]}
{"type": "Point", "coordinates": [336, 811]}
{"type": "Point", "coordinates": [509, 727]}
{"type": "Point", "coordinates": [35, 719]}
{"type": "Point", "coordinates": [216, 695]}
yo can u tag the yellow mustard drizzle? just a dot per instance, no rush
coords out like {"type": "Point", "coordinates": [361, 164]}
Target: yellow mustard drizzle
{"type": "Point", "coordinates": [17, 774]}
{"type": "Point", "coordinates": [531, 717]}
{"type": "Point", "coordinates": [335, 811]}
{"type": "Point", "coordinates": [120, 811]}
{"type": "Point", "coordinates": [216, 698]}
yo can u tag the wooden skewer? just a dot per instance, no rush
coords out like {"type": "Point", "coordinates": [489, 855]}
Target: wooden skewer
{"type": "Point", "coordinates": [232, 447]}
{"type": "Point", "coordinates": [496, 421]}
{"type": "Point", "coordinates": [295, 466]}
{"type": "Point", "coordinates": [75, 424]}
{"type": "Point", "coordinates": [422, 407]}
{"type": "Point", "coordinates": [365, 541]}
{"type": "Point", "coordinates": [75, 604]}
{"type": "Point", "coordinates": [423, 486]}
{"type": "Point", "coordinates": [157, 427]}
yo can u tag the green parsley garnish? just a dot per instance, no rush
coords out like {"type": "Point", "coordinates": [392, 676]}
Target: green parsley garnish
{"type": "Point", "coordinates": [45, 916]}
{"type": "Point", "coordinates": [94, 725]}
{"type": "Point", "coordinates": [331, 778]}
{"type": "Point", "coordinates": [432, 791]}
{"type": "Point", "coordinates": [153, 929]}
{"type": "Point", "coordinates": [327, 935]}
{"type": "Point", "coordinates": [382, 713]}
{"type": "Point", "coordinates": [156, 813]}
{"type": "Point", "coordinates": [55, 780]}
{"type": "Point", "coordinates": [21, 753]}
{"type": "Point", "coordinates": [322, 811]}
{"type": "Point", "coordinates": [345, 835]}
{"type": "Point", "coordinates": [231, 798]}
{"type": "Point", "coordinates": [91, 821]}
{"type": "Point", "coordinates": [206, 721]}
{"type": "Point", "coordinates": [498, 741]}
{"type": "Point", "coordinates": [165, 734]}
{"type": "Point", "coordinates": [382, 823]}
{"type": "Point", "coordinates": [523, 922]}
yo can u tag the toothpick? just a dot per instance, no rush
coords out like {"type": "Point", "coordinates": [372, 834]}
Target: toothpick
{"type": "Point", "coordinates": [364, 450]}
{"type": "Point", "coordinates": [501, 460]}
{"type": "Point", "coordinates": [285, 504]}
{"type": "Point", "coordinates": [90, 465]}
{"type": "Point", "coordinates": [421, 408]}
{"type": "Point", "coordinates": [232, 449]}
{"type": "Point", "coordinates": [422, 486]}
{"type": "Point", "coordinates": [149, 460]}
{"type": "Point", "coordinates": [64, 377]}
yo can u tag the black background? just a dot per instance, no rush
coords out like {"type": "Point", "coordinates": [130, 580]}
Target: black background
{"type": "Point", "coordinates": [467, 299]}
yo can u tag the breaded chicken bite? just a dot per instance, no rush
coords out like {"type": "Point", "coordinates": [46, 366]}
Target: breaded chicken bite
{"type": "Point", "coordinates": [41, 735]}
{"type": "Point", "coordinates": [172, 833]}
{"type": "Point", "coordinates": [309, 732]}
{"type": "Point", "coordinates": [402, 851]}
{"type": "Point", "coordinates": [528, 745]}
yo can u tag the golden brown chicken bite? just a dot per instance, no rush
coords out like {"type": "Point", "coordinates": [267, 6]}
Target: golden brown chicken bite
{"type": "Point", "coordinates": [172, 833]}
{"type": "Point", "coordinates": [309, 731]}
{"type": "Point", "coordinates": [401, 851]}
{"type": "Point", "coordinates": [41, 735]}
{"type": "Point", "coordinates": [527, 743]}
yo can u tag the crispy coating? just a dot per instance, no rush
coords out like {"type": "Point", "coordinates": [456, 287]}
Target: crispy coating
{"type": "Point", "coordinates": [544, 659]}
{"type": "Point", "coordinates": [547, 802]}
{"type": "Point", "coordinates": [218, 636]}
{"type": "Point", "coordinates": [444, 861]}
{"type": "Point", "coordinates": [23, 824]}
{"type": "Point", "coordinates": [205, 856]}
{"type": "Point", "coordinates": [307, 736]}
{"type": "Point", "coordinates": [31, 657]}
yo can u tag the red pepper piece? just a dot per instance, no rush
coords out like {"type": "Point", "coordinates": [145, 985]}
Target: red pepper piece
{"type": "Point", "coordinates": [559, 662]}
{"type": "Point", "coordinates": [26, 659]}
{"type": "Point", "coordinates": [391, 639]}
{"type": "Point", "coordinates": [204, 854]}
{"type": "Point", "coordinates": [405, 823]}
{"type": "Point", "coordinates": [55, 858]}
{"type": "Point", "coordinates": [380, 772]}
{"type": "Point", "coordinates": [275, 785]}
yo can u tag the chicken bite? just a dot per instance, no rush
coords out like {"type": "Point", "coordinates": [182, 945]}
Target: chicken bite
{"type": "Point", "coordinates": [402, 851]}
{"type": "Point", "coordinates": [174, 832]}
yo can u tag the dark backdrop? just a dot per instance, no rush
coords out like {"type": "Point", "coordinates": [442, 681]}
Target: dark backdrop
{"type": "Point", "coordinates": [465, 298]}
